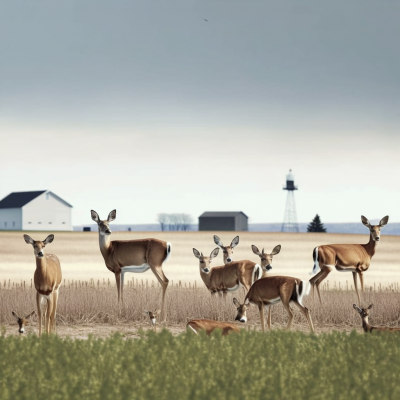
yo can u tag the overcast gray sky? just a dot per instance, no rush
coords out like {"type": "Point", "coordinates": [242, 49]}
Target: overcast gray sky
{"type": "Point", "coordinates": [145, 107]}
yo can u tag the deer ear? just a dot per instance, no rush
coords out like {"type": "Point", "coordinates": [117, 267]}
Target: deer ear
{"type": "Point", "coordinates": [49, 239]}
{"type": "Point", "coordinates": [358, 309]}
{"type": "Point", "coordinates": [384, 221]}
{"type": "Point", "coordinates": [196, 253]}
{"type": "Point", "coordinates": [235, 242]}
{"type": "Point", "coordinates": [370, 306]}
{"type": "Point", "coordinates": [95, 216]}
{"type": "Point", "coordinates": [28, 239]}
{"type": "Point", "coordinates": [276, 250]}
{"type": "Point", "coordinates": [247, 302]}
{"type": "Point", "coordinates": [146, 313]}
{"type": "Point", "coordinates": [217, 241]}
{"type": "Point", "coordinates": [255, 250]}
{"type": "Point", "coordinates": [236, 302]}
{"type": "Point", "coordinates": [365, 221]}
{"type": "Point", "coordinates": [112, 215]}
{"type": "Point", "coordinates": [30, 315]}
{"type": "Point", "coordinates": [214, 253]}
{"type": "Point", "coordinates": [15, 315]}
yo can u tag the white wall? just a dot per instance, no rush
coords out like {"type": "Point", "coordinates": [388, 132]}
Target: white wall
{"type": "Point", "coordinates": [10, 219]}
{"type": "Point", "coordinates": [46, 213]}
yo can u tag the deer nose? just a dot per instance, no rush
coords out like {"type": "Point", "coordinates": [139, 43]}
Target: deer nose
{"type": "Point", "coordinates": [242, 319]}
{"type": "Point", "coordinates": [40, 254]}
{"type": "Point", "coordinates": [108, 231]}
{"type": "Point", "coordinates": [229, 259]}
{"type": "Point", "coordinates": [268, 267]}
{"type": "Point", "coordinates": [206, 270]}
{"type": "Point", "coordinates": [21, 331]}
{"type": "Point", "coordinates": [377, 238]}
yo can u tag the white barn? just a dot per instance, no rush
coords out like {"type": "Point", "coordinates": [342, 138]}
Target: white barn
{"type": "Point", "coordinates": [35, 211]}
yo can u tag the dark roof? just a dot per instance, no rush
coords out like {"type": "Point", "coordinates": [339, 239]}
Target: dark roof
{"type": "Point", "coordinates": [19, 199]}
{"type": "Point", "coordinates": [222, 214]}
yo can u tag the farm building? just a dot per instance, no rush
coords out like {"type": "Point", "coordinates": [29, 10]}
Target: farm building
{"type": "Point", "coordinates": [223, 221]}
{"type": "Point", "coordinates": [35, 211]}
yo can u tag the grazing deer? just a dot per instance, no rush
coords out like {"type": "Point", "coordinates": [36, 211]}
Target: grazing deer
{"type": "Point", "coordinates": [228, 277]}
{"type": "Point", "coordinates": [227, 250]}
{"type": "Point", "coordinates": [354, 258]}
{"type": "Point", "coordinates": [364, 313]}
{"type": "Point", "coordinates": [272, 290]}
{"type": "Point", "coordinates": [47, 280]}
{"type": "Point", "coordinates": [152, 316]}
{"type": "Point", "coordinates": [266, 265]}
{"type": "Point", "coordinates": [209, 325]}
{"type": "Point", "coordinates": [121, 256]}
{"type": "Point", "coordinates": [22, 322]}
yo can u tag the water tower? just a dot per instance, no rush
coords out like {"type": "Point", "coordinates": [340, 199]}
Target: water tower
{"type": "Point", "coordinates": [290, 220]}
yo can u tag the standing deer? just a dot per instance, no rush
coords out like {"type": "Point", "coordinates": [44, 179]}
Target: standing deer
{"type": "Point", "coordinates": [228, 277]}
{"type": "Point", "coordinates": [121, 256]}
{"type": "Point", "coordinates": [209, 325]}
{"type": "Point", "coordinates": [227, 250]}
{"type": "Point", "coordinates": [364, 313]}
{"type": "Point", "coordinates": [272, 290]}
{"type": "Point", "coordinates": [354, 258]}
{"type": "Point", "coordinates": [266, 265]}
{"type": "Point", "coordinates": [22, 322]}
{"type": "Point", "coordinates": [47, 280]}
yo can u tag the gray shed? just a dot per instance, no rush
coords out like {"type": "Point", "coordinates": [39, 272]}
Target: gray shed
{"type": "Point", "coordinates": [223, 221]}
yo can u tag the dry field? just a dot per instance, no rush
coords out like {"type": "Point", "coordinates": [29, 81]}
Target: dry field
{"type": "Point", "coordinates": [88, 302]}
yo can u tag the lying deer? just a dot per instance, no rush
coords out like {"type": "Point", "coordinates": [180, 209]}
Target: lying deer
{"type": "Point", "coordinates": [209, 325]}
{"type": "Point", "coordinates": [364, 313]}
{"type": "Point", "coordinates": [22, 322]}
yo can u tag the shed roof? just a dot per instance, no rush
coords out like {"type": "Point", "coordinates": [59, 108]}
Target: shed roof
{"type": "Point", "coordinates": [222, 214]}
{"type": "Point", "coordinates": [20, 199]}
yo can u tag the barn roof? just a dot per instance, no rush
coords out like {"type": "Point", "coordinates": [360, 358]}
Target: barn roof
{"type": "Point", "coordinates": [222, 214]}
{"type": "Point", "coordinates": [19, 199]}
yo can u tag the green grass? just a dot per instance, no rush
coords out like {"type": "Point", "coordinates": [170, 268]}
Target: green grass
{"type": "Point", "coordinates": [250, 365]}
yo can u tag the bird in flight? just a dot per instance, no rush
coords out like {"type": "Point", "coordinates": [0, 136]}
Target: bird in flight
{"type": "Point", "coordinates": [206, 20]}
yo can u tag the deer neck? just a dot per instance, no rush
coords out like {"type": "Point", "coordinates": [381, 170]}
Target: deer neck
{"type": "Point", "coordinates": [206, 277]}
{"type": "Point", "coordinates": [105, 244]}
{"type": "Point", "coordinates": [366, 325]}
{"type": "Point", "coordinates": [371, 246]}
{"type": "Point", "coordinates": [41, 266]}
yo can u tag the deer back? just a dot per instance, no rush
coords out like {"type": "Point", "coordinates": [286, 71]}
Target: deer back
{"type": "Point", "coordinates": [125, 253]}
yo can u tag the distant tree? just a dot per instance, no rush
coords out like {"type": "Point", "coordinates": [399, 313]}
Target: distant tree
{"type": "Point", "coordinates": [316, 225]}
{"type": "Point", "coordinates": [186, 219]}
{"type": "Point", "coordinates": [163, 220]}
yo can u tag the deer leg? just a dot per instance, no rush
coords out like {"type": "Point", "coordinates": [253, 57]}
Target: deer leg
{"type": "Point", "coordinates": [158, 272]}
{"type": "Point", "coordinates": [355, 286]}
{"type": "Point", "coordinates": [361, 275]}
{"type": "Point", "coordinates": [307, 314]}
{"type": "Point", "coordinates": [118, 281]}
{"type": "Point", "coordinates": [325, 272]}
{"type": "Point", "coordinates": [261, 309]}
{"type": "Point", "coordinates": [53, 320]}
{"type": "Point", "coordinates": [290, 312]}
{"type": "Point", "coordinates": [269, 317]}
{"type": "Point", "coordinates": [39, 311]}
{"type": "Point", "coordinates": [49, 312]}
{"type": "Point", "coordinates": [314, 281]}
{"type": "Point", "coordinates": [122, 286]}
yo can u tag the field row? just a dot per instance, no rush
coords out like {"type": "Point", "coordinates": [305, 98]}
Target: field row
{"type": "Point", "coordinates": [92, 302]}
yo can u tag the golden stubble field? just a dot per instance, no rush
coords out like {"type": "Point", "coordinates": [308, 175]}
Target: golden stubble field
{"type": "Point", "coordinates": [88, 298]}
{"type": "Point", "coordinates": [81, 259]}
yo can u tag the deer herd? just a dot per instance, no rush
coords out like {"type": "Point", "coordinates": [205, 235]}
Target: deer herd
{"type": "Point", "coordinates": [262, 290]}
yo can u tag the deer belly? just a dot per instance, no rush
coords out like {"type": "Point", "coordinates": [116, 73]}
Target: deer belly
{"type": "Point", "coordinates": [234, 288]}
{"type": "Point", "coordinates": [274, 301]}
{"type": "Point", "coordinates": [345, 269]}
{"type": "Point", "coordinates": [136, 268]}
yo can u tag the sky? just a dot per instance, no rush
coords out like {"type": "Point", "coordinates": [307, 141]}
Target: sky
{"type": "Point", "coordinates": [145, 107]}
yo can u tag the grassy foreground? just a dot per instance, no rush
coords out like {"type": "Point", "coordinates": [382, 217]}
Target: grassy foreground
{"type": "Point", "coordinates": [250, 365]}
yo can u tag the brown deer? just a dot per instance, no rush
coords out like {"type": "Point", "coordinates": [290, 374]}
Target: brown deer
{"type": "Point", "coordinates": [152, 315]}
{"type": "Point", "coordinates": [266, 266]}
{"type": "Point", "coordinates": [229, 277]}
{"type": "Point", "coordinates": [22, 322]}
{"type": "Point", "coordinates": [364, 313]}
{"type": "Point", "coordinates": [209, 325]}
{"type": "Point", "coordinates": [354, 258]}
{"type": "Point", "coordinates": [47, 279]}
{"type": "Point", "coordinates": [272, 290]}
{"type": "Point", "coordinates": [121, 256]}
{"type": "Point", "coordinates": [227, 250]}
